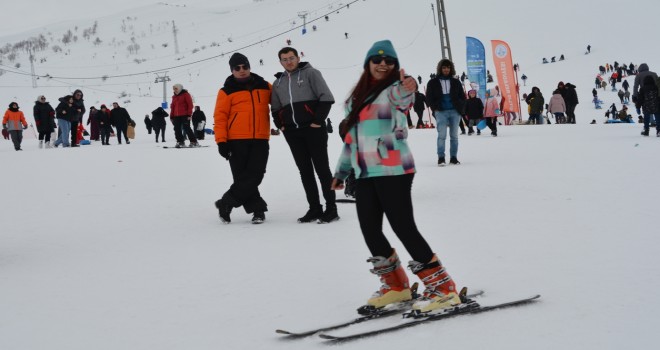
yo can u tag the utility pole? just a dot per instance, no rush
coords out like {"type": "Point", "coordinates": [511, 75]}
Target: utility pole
{"type": "Point", "coordinates": [176, 41]}
{"type": "Point", "coordinates": [163, 79]}
{"type": "Point", "coordinates": [444, 32]}
{"type": "Point", "coordinates": [34, 76]}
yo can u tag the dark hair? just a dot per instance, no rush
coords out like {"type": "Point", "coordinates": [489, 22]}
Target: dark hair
{"type": "Point", "coordinates": [287, 50]}
{"type": "Point", "coordinates": [446, 63]}
{"type": "Point", "coordinates": [364, 93]}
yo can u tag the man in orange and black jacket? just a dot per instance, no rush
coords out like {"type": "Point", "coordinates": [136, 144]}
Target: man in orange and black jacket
{"type": "Point", "coordinates": [242, 131]}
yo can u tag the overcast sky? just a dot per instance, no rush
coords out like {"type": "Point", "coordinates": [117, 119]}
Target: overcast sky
{"type": "Point", "coordinates": [21, 15]}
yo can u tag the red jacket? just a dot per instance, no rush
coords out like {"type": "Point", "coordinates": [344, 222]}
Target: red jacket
{"type": "Point", "coordinates": [182, 105]}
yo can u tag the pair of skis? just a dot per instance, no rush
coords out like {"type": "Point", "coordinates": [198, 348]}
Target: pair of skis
{"type": "Point", "coordinates": [467, 308]}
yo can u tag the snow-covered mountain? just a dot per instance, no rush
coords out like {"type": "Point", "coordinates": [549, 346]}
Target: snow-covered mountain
{"type": "Point", "coordinates": [121, 248]}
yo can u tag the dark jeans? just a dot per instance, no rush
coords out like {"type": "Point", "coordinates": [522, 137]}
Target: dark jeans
{"type": "Point", "coordinates": [16, 138]}
{"type": "Point", "coordinates": [74, 132]}
{"type": "Point", "coordinates": [44, 135]}
{"type": "Point", "coordinates": [105, 134]}
{"type": "Point", "coordinates": [182, 124]}
{"type": "Point", "coordinates": [160, 130]}
{"type": "Point", "coordinates": [248, 165]}
{"type": "Point", "coordinates": [570, 114]}
{"type": "Point", "coordinates": [121, 129]}
{"type": "Point", "coordinates": [309, 147]}
{"type": "Point", "coordinates": [420, 114]}
{"type": "Point", "coordinates": [389, 195]}
{"type": "Point", "coordinates": [492, 124]}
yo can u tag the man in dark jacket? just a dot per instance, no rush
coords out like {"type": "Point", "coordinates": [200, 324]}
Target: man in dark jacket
{"type": "Point", "coordinates": [300, 103]}
{"type": "Point", "coordinates": [77, 118]}
{"type": "Point", "coordinates": [642, 72]}
{"type": "Point", "coordinates": [120, 119]}
{"type": "Point", "coordinates": [158, 122]}
{"type": "Point", "coordinates": [199, 122]}
{"type": "Point", "coordinates": [571, 101]}
{"type": "Point", "coordinates": [445, 97]}
{"type": "Point", "coordinates": [419, 106]}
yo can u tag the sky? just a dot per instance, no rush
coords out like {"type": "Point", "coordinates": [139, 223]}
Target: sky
{"type": "Point", "coordinates": [120, 247]}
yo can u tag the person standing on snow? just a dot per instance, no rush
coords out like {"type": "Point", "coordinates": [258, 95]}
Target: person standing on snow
{"type": "Point", "coordinates": [648, 101]}
{"type": "Point", "coordinates": [474, 110]}
{"type": "Point", "coordinates": [445, 97]}
{"type": "Point", "coordinates": [375, 148]}
{"type": "Point", "coordinates": [105, 124]}
{"type": "Point", "coordinates": [199, 122]}
{"type": "Point", "coordinates": [77, 117]}
{"type": "Point", "coordinates": [62, 113]}
{"type": "Point", "coordinates": [158, 122]}
{"type": "Point", "coordinates": [120, 119]}
{"type": "Point", "coordinates": [557, 107]}
{"type": "Point", "coordinates": [642, 72]}
{"type": "Point", "coordinates": [14, 122]}
{"type": "Point", "coordinates": [44, 115]}
{"type": "Point", "coordinates": [300, 104]}
{"type": "Point", "coordinates": [491, 110]}
{"type": "Point", "coordinates": [242, 131]}
{"type": "Point", "coordinates": [181, 114]}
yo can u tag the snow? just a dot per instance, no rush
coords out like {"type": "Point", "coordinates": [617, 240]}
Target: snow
{"type": "Point", "coordinates": [120, 247]}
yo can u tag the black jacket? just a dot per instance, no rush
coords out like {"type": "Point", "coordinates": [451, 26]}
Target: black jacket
{"type": "Point", "coordinates": [119, 117]}
{"type": "Point", "coordinates": [434, 95]}
{"type": "Point", "coordinates": [44, 115]}
{"type": "Point", "coordinates": [158, 116]}
{"type": "Point", "coordinates": [198, 116]}
{"type": "Point", "coordinates": [420, 102]}
{"type": "Point", "coordinates": [474, 108]}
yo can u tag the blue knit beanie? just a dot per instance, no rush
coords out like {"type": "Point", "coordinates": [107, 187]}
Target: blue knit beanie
{"type": "Point", "coordinates": [381, 48]}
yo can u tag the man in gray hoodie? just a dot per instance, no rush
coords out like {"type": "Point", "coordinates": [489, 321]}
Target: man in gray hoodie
{"type": "Point", "coordinates": [300, 103]}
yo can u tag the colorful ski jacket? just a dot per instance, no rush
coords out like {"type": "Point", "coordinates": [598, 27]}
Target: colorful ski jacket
{"type": "Point", "coordinates": [376, 145]}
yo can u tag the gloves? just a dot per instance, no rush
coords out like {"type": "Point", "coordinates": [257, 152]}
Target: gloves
{"type": "Point", "coordinates": [24, 127]}
{"type": "Point", "coordinates": [223, 149]}
{"type": "Point", "coordinates": [4, 126]}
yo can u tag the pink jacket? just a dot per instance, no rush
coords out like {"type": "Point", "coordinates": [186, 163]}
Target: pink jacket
{"type": "Point", "coordinates": [557, 104]}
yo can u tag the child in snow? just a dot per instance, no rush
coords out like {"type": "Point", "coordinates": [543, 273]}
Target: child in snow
{"type": "Point", "coordinates": [14, 122]}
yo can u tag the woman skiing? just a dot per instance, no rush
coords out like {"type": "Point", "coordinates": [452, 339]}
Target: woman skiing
{"type": "Point", "coordinates": [375, 148]}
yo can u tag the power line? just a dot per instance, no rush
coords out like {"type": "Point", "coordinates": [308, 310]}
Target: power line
{"type": "Point", "coordinates": [197, 61]}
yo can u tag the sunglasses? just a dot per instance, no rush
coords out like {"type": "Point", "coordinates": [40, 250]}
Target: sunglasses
{"type": "Point", "coordinates": [378, 59]}
{"type": "Point", "coordinates": [240, 67]}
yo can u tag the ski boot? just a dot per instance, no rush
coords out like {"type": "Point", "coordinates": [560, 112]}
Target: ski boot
{"type": "Point", "coordinates": [440, 293]}
{"type": "Point", "coordinates": [394, 289]}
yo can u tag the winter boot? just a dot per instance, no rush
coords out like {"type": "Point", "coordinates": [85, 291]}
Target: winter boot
{"type": "Point", "coordinates": [645, 132]}
{"type": "Point", "coordinates": [329, 215]}
{"type": "Point", "coordinates": [394, 288]}
{"type": "Point", "coordinates": [313, 214]}
{"type": "Point", "coordinates": [194, 145]}
{"type": "Point", "coordinates": [258, 217]}
{"type": "Point", "coordinates": [179, 145]}
{"type": "Point", "coordinates": [41, 143]}
{"type": "Point", "coordinates": [454, 161]}
{"type": "Point", "coordinates": [441, 161]}
{"type": "Point", "coordinates": [440, 292]}
{"type": "Point", "coordinates": [49, 145]}
{"type": "Point", "coordinates": [225, 206]}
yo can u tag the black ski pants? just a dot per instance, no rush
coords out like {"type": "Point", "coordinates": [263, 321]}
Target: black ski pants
{"type": "Point", "coordinates": [309, 147]}
{"type": "Point", "coordinates": [389, 195]}
{"type": "Point", "coordinates": [181, 125]}
{"type": "Point", "coordinates": [248, 162]}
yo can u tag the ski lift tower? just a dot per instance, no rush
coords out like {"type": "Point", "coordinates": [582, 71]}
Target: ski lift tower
{"type": "Point", "coordinates": [444, 32]}
{"type": "Point", "coordinates": [163, 79]}
{"type": "Point", "coordinates": [303, 15]}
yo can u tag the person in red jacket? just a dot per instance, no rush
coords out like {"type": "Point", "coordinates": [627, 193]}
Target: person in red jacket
{"type": "Point", "coordinates": [14, 122]}
{"type": "Point", "coordinates": [181, 114]}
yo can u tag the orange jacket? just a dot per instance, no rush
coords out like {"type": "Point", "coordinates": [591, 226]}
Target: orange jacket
{"type": "Point", "coordinates": [14, 120]}
{"type": "Point", "coordinates": [242, 110]}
